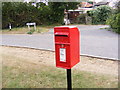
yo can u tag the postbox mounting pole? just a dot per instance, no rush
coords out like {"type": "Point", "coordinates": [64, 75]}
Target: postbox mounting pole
{"type": "Point", "coordinates": [69, 80]}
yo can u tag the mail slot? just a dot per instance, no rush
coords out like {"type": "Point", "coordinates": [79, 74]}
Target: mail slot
{"type": "Point", "coordinates": [67, 46]}
{"type": "Point", "coordinates": [62, 37]}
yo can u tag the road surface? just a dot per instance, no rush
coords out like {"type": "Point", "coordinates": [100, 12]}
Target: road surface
{"type": "Point", "coordinates": [93, 41]}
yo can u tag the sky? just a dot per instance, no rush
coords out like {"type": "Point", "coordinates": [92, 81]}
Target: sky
{"type": "Point", "coordinates": [112, 2]}
{"type": "Point", "coordinates": [44, 1]}
{"type": "Point", "coordinates": [104, 0]}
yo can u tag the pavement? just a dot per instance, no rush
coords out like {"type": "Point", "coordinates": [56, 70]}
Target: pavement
{"type": "Point", "coordinates": [94, 41]}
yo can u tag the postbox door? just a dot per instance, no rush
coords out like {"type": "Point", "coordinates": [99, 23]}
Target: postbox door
{"type": "Point", "coordinates": [62, 55]}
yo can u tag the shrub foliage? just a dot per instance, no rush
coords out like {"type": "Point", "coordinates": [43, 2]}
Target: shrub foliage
{"type": "Point", "coordinates": [114, 20]}
{"type": "Point", "coordinates": [100, 14]}
{"type": "Point", "coordinates": [19, 13]}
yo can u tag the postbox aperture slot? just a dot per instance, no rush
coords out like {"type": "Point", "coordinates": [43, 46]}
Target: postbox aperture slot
{"type": "Point", "coordinates": [61, 37]}
{"type": "Point", "coordinates": [61, 34]}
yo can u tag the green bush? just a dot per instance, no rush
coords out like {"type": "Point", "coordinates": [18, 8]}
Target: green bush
{"type": "Point", "coordinates": [114, 22]}
{"type": "Point", "coordinates": [81, 19]}
{"type": "Point", "coordinates": [31, 31]}
{"type": "Point", "coordinates": [100, 14]}
{"type": "Point", "coordinates": [19, 13]}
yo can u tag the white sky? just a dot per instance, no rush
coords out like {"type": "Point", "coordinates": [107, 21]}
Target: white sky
{"type": "Point", "coordinates": [89, 0]}
{"type": "Point", "coordinates": [112, 2]}
{"type": "Point", "coordinates": [104, 0]}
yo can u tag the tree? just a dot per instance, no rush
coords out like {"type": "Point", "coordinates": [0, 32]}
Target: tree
{"type": "Point", "coordinates": [100, 14]}
{"type": "Point", "coordinates": [58, 8]}
{"type": "Point", "coordinates": [19, 13]}
{"type": "Point", "coordinates": [7, 13]}
{"type": "Point", "coordinates": [117, 5]}
{"type": "Point", "coordinates": [114, 20]}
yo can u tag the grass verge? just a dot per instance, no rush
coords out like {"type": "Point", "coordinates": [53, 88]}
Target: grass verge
{"type": "Point", "coordinates": [20, 73]}
{"type": "Point", "coordinates": [24, 30]}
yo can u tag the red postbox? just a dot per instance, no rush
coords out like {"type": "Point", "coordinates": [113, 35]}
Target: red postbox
{"type": "Point", "coordinates": [67, 46]}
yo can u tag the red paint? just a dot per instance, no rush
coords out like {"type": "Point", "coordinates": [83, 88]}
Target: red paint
{"type": "Point", "coordinates": [67, 38]}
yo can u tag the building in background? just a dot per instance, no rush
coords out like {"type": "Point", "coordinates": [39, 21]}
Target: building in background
{"type": "Point", "coordinates": [83, 7]}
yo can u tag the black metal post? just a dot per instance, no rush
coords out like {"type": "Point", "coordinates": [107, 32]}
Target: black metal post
{"type": "Point", "coordinates": [69, 80]}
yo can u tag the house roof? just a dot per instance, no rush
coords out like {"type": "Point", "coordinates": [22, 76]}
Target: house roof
{"type": "Point", "coordinates": [101, 3]}
{"type": "Point", "coordinates": [86, 4]}
{"type": "Point", "coordinates": [75, 10]}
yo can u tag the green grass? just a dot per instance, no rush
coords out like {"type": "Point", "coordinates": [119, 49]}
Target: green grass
{"type": "Point", "coordinates": [24, 30]}
{"type": "Point", "coordinates": [52, 78]}
{"type": "Point", "coordinates": [20, 73]}
{"type": "Point", "coordinates": [29, 75]}
{"type": "Point", "coordinates": [51, 26]}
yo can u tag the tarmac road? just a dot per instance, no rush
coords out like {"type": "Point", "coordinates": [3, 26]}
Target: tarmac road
{"type": "Point", "coordinates": [94, 41]}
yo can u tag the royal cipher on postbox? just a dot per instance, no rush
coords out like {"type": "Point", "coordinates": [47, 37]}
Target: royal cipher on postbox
{"type": "Point", "coordinates": [67, 46]}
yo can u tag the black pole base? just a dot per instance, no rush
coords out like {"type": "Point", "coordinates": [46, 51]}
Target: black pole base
{"type": "Point", "coordinates": [69, 80]}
